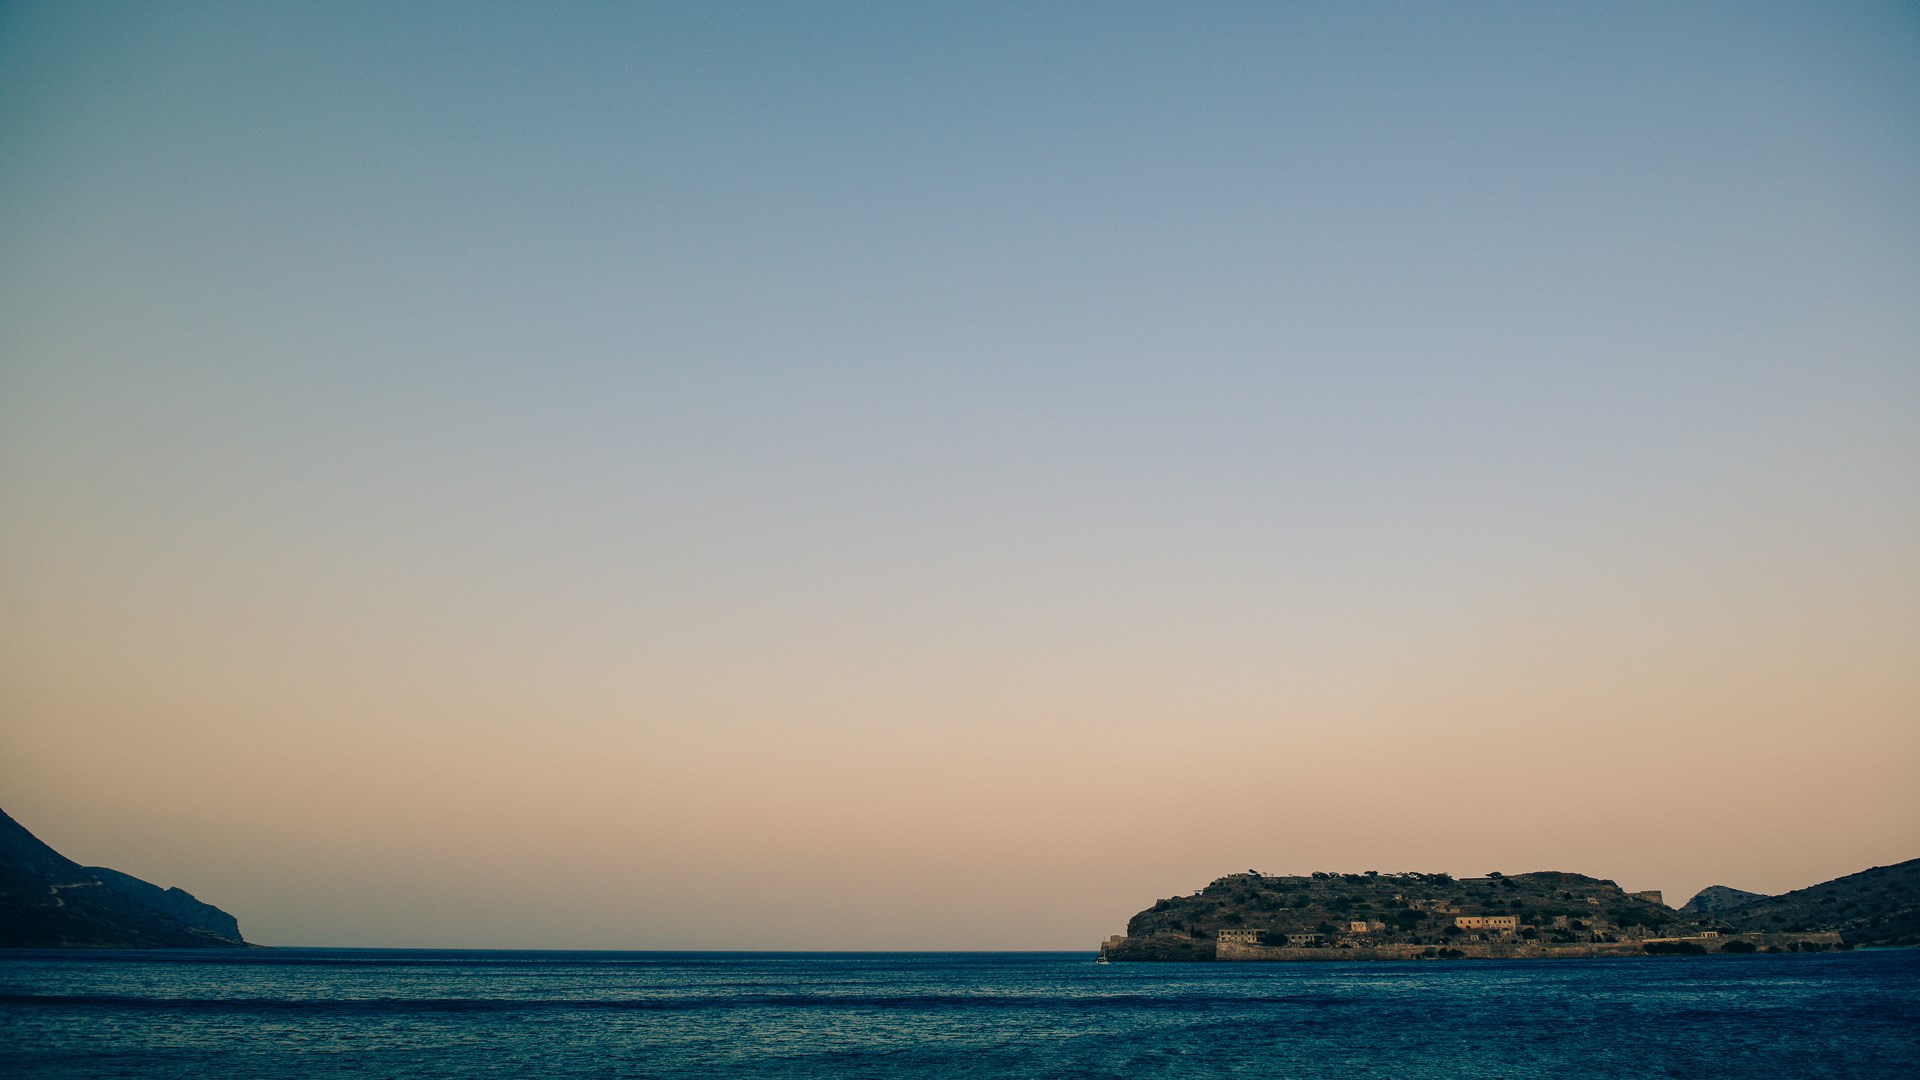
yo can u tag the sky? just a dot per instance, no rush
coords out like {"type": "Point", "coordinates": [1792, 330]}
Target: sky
{"type": "Point", "coordinates": [927, 476]}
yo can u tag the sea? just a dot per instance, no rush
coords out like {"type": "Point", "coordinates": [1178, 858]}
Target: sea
{"type": "Point", "coordinates": [380, 1013]}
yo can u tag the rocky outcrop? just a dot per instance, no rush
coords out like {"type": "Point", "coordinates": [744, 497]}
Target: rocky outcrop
{"type": "Point", "coordinates": [1717, 898]}
{"type": "Point", "coordinates": [49, 901]}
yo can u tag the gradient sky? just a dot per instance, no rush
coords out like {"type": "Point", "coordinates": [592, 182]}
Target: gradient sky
{"type": "Point", "coordinates": [911, 476]}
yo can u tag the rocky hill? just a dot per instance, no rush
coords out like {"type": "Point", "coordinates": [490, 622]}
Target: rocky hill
{"type": "Point", "coordinates": [1717, 898]}
{"type": "Point", "coordinates": [1401, 916]}
{"type": "Point", "coordinates": [47, 900]}
{"type": "Point", "coordinates": [1880, 906]}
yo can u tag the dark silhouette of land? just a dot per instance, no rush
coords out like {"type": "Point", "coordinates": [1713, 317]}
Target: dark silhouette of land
{"type": "Point", "coordinates": [49, 901]}
{"type": "Point", "coordinates": [1373, 916]}
{"type": "Point", "coordinates": [1880, 906]}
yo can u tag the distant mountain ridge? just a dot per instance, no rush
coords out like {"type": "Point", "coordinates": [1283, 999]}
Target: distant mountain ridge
{"type": "Point", "coordinates": [49, 901]}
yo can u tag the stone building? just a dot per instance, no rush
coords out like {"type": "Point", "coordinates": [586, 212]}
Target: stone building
{"type": "Point", "coordinates": [1502, 924]}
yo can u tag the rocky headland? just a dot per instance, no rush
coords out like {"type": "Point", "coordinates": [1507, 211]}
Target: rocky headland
{"type": "Point", "coordinates": [49, 901]}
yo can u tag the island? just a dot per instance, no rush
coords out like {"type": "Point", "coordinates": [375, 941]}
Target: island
{"type": "Point", "coordinates": [1253, 916]}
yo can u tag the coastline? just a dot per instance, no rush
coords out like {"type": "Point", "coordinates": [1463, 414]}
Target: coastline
{"type": "Point", "coordinates": [1746, 944]}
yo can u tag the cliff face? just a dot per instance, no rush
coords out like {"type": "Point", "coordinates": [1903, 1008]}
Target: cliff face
{"type": "Point", "coordinates": [48, 901]}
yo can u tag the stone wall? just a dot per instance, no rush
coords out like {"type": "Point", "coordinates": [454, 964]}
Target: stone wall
{"type": "Point", "coordinates": [1234, 950]}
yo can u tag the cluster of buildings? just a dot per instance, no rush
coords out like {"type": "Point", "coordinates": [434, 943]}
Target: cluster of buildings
{"type": "Point", "coordinates": [1492, 924]}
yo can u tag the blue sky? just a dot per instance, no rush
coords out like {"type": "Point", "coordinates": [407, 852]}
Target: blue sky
{"type": "Point", "coordinates": [873, 386]}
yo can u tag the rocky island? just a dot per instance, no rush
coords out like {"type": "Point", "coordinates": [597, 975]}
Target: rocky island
{"type": "Point", "coordinates": [49, 901]}
{"type": "Point", "coordinates": [1407, 916]}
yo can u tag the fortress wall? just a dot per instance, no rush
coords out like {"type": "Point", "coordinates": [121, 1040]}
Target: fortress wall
{"type": "Point", "coordinates": [1234, 950]}
{"type": "Point", "coordinates": [1501, 951]}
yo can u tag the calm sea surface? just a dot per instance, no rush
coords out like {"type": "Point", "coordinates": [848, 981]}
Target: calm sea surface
{"type": "Point", "coordinates": [360, 1013]}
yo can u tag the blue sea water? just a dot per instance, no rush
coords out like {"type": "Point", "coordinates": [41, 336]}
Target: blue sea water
{"type": "Point", "coordinates": [377, 1013]}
